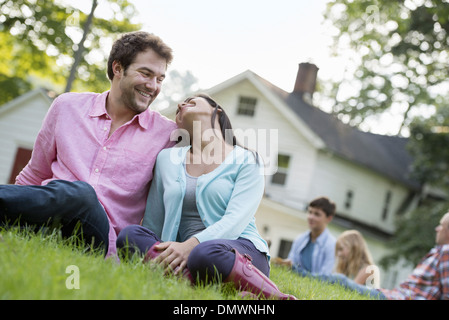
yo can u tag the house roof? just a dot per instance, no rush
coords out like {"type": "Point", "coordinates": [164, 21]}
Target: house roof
{"type": "Point", "coordinates": [384, 154]}
{"type": "Point", "coordinates": [387, 155]}
{"type": "Point", "coordinates": [33, 94]}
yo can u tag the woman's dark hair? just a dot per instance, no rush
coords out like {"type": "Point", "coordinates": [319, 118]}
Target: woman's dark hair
{"type": "Point", "coordinates": [223, 120]}
{"type": "Point", "coordinates": [129, 45]}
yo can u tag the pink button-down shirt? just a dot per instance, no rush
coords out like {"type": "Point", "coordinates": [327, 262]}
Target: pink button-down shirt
{"type": "Point", "coordinates": [73, 144]}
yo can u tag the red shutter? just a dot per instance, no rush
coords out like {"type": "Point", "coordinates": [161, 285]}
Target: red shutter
{"type": "Point", "coordinates": [22, 157]}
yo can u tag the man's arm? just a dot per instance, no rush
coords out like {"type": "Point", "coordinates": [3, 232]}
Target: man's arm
{"type": "Point", "coordinates": [444, 272]}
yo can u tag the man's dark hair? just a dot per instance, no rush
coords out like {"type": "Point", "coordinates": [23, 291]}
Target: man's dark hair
{"type": "Point", "coordinates": [324, 204]}
{"type": "Point", "coordinates": [129, 45]}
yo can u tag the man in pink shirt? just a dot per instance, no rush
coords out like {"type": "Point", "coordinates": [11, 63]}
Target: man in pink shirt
{"type": "Point", "coordinates": [93, 158]}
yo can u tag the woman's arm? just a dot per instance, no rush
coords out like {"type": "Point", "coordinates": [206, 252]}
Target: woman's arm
{"type": "Point", "coordinates": [361, 276]}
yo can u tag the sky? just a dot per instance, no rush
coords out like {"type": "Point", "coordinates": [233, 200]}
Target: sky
{"type": "Point", "coordinates": [217, 39]}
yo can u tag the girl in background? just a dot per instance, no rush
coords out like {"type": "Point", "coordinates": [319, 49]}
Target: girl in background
{"type": "Point", "coordinates": [354, 259]}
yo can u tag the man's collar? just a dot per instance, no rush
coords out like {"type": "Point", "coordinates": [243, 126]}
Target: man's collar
{"type": "Point", "coordinates": [98, 109]}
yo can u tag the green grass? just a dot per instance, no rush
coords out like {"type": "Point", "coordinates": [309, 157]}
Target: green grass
{"type": "Point", "coordinates": [37, 266]}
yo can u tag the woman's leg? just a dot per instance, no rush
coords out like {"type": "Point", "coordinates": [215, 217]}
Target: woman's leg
{"type": "Point", "coordinates": [235, 261]}
{"type": "Point", "coordinates": [136, 238]}
{"type": "Point", "coordinates": [215, 258]}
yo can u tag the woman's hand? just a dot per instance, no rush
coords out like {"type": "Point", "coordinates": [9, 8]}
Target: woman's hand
{"type": "Point", "coordinates": [175, 254]}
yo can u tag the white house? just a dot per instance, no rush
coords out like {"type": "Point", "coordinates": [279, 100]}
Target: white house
{"type": "Point", "coordinates": [20, 121]}
{"type": "Point", "coordinates": [367, 175]}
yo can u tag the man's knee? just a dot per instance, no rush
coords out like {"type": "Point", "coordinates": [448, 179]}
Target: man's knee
{"type": "Point", "coordinates": [77, 198]}
{"type": "Point", "coordinates": [81, 193]}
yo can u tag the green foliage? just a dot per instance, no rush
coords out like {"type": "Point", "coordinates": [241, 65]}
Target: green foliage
{"type": "Point", "coordinates": [34, 266]}
{"type": "Point", "coordinates": [416, 233]}
{"type": "Point", "coordinates": [429, 138]}
{"type": "Point", "coordinates": [429, 143]}
{"type": "Point", "coordinates": [40, 38]}
{"type": "Point", "coordinates": [400, 51]}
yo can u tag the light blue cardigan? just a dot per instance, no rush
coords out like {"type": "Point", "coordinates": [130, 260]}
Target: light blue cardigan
{"type": "Point", "coordinates": [227, 198]}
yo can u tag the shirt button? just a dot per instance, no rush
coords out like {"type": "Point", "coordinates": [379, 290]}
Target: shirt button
{"type": "Point", "coordinates": [105, 148]}
{"type": "Point", "coordinates": [105, 128]}
{"type": "Point", "coordinates": [97, 170]}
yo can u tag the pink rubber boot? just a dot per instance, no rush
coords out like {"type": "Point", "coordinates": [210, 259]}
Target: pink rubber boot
{"type": "Point", "coordinates": [247, 277]}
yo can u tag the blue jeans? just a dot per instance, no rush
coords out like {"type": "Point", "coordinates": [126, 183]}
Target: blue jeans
{"type": "Point", "coordinates": [208, 260]}
{"type": "Point", "coordinates": [344, 282]}
{"type": "Point", "coordinates": [72, 206]}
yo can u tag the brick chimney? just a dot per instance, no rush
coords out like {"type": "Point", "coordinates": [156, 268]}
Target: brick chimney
{"type": "Point", "coordinates": [306, 80]}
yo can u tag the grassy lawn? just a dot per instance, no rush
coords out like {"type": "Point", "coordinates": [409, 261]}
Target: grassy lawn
{"type": "Point", "coordinates": [45, 267]}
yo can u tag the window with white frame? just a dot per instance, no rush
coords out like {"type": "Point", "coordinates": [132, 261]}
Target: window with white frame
{"type": "Point", "coordinates": [280, 177]}
{"type": "Point", "coordinates": [247, 106]}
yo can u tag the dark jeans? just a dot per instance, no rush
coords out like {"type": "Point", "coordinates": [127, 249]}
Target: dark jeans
{"type": "Point", "coordinates": [72, 206]}
{"type": "Point", "coordinates": [208, 260]}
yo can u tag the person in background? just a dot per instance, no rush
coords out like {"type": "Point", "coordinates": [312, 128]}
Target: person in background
{"type": "Point", "coordinates": [93, 159]}
{"type": "Point", "coordinates": [314, 251]}
{"type": "Point", "coordinates": [354, 259]}
{"type": "Point", "coordinates": [428, 281]}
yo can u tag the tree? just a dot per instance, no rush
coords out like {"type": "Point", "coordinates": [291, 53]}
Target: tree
{"type": "Point", "coordinates": [416, 233]}
{"type": "Point", "coordinates": [80, 50]}
{"type": "Point", "coordinates": [41, 38]}
{"type": "Point", "coordinates": [429, 141]}
{"type": "Point", "coordinates": [400, 51]}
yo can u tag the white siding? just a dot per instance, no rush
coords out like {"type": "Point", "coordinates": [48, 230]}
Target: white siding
{"type": "Point", "coordinates": [334, 176]}
{"type": "Point", "coordinates": [313, 172]}
{"type": "Point", "coordinates": [19, 126]}
{"type": "Point", "coordinates": [290, 141]}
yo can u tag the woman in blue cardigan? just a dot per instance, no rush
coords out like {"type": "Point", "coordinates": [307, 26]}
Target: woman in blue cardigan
{"type": "Point", "coordinates": [199, 220]}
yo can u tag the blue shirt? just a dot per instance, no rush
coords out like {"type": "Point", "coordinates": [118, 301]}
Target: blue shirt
{"type": "Point", "coordinates": [323, 256]}
{"type": "Point", "coordinates": [306, 256]}
{"type": "Point", "coordinates": [227, 198]}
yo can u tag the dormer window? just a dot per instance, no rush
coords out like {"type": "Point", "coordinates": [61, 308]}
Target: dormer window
{"type": "Point", "coordinates": [247, 106]}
